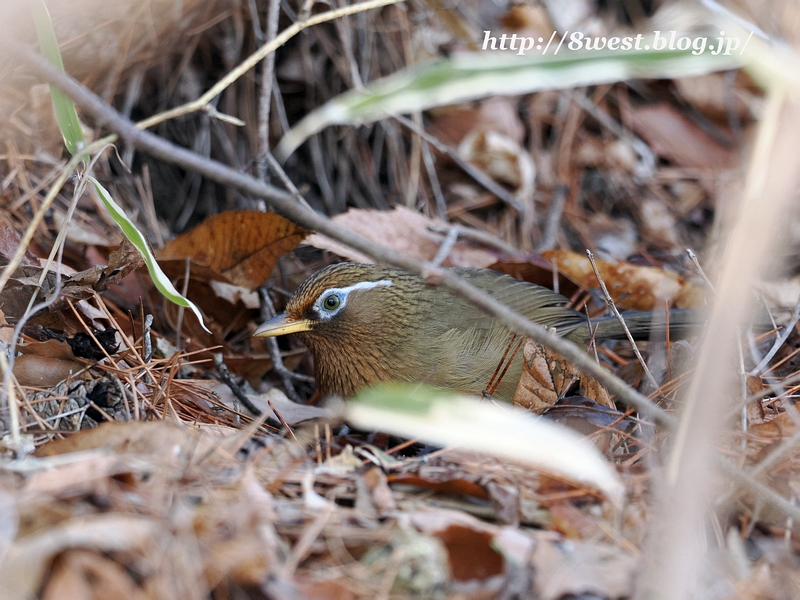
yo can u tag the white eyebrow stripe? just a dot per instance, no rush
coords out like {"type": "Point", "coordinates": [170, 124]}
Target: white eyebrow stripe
{"type": "Point", "coordinates": [345, 291]}
{"type": "Point", "coordinates": [361, 285]}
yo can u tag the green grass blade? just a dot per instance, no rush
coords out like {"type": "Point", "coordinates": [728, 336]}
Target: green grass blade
{"type": "Point", "coordinates": [66, 114]}
{"type": "Point", "coordinates": [471, 76]}
{"type": "Point", "coordinates": [70, 125]}
{"type": "Point", "coordinates": [161, 281]}
{"type": "Point", "coordinates": [442, 418]}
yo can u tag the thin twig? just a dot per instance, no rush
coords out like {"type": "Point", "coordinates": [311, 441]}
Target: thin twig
{"type": "Point", "coordinates": [430, 167]}
{"type": "Point", "coordinates": [265, 96]}
{"type": "Point", "coordinates": [553, 218]}
{"type": "Point", "coordinates": [267, 312]}
{"type": "Point", "coordinates": [700, 271]}
{"type": "Point", "coordinates": [613, 307]}
{"type": "Point", "coordinates": [282, 421]}
{"type": "Point", "coordinates": [759, 490]}
{"type": "Point", "coordinates": [147, 340]}
{"type": "Point", "coordinates": [278, 170]}
{"type": "Point", "coordinates": [778, 342]}
{"type": "Point", "coordinates": [479, 176]}
{"type": "Point", "coordinates": [482, 237]}
{"type": "Point", "coordinates": [446, 248]}
{"type": "Point", "coordinates": [225, 377]}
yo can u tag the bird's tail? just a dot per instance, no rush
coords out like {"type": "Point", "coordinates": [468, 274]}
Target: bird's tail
{"type": "Point", "coordinates": [643, 326]}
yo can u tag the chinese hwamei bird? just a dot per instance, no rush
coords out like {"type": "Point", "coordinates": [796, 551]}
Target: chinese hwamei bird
{"type": "Point", "coordinates": [366, 324]}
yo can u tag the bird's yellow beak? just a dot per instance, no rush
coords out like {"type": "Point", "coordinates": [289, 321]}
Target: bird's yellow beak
{"type": "Point", "coordinates": [281, 325]}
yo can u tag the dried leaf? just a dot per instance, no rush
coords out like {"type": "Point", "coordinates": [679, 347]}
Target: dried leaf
{"type": "Point", "coordinates": [717, 97]}
{"type": "Point", "coordinates": [41, 371]}
{"type": "Point", "coordinates": [9, 242]}
{"type": "Point", "coordinates": [24, 282]}
{"type": "Point", "coordinates": [380, 492]}
{"type": "Point", "coordinates": [221, 315]}
{"type": "Point", "coordinates": [243, 245]}
{"type": "Point", "coordinates": [469, 542]}
{"type": "Point", "coordinates": [632, 287]}
{"type": "Point", "coordinates": [501, 158]}
{"type": "Point", "coordinates": [331, 589]}
{"type": "Point", "coordinates": [28, 558]}
{"type": "Point", "coordinates": [274, 400]}
{"type": "Point", "coordinates": [449, 482]}
{"type": "Point", "coordinates": [50, 348]}
{"type": "Point", "coordinates": [676, 138]}
{"type": "Point", "coordinates": [403, 230]}
{"type": "Point", "coordinates": [547, 376]}
{"type": "Point", "coordinates": [578, 568]}
{"type": "Point", "coordinates": [452, 123]}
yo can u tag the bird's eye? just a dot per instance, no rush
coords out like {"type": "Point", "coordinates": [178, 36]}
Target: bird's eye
{"type": "Point", "coordinates": [331, 302]}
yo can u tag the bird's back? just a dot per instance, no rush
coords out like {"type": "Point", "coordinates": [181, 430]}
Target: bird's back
{"type": "Point", "coordinates": [469, 344]}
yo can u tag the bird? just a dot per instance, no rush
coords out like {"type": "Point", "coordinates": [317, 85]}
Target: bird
{"type": "Point", "coordinates": [366, 324]}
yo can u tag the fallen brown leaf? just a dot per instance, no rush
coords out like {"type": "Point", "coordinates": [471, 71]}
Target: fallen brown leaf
{"type": "Point", "coordinates": [244, 246]}
{"type": "Point", "coordinates": [632, 287]}
{"type": "Point", "coordinates": [405, 231]}
{"type": "Point", "coordinates": [546, 376]}
{"type": "Point", "coordinates": [673, 136]}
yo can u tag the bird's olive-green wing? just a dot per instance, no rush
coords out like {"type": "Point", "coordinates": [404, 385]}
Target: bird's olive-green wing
{"type": "Point", "coordinates": [538, 303]}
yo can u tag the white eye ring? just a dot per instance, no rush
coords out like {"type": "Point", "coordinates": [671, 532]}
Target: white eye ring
{"type": "Point", "coordinates": [326, 309]}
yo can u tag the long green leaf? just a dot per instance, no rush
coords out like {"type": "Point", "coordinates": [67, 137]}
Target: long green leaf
{"type": "Point", "coordinates": [66, 114]}
{"type": "Point", "coordinates": [440, 418]}
{"type": "Point", "coordinates": [70, 125]}
{"type": "Point", "coordinates": [161, 281]}
{"type": "Point", "coordinates": [476, 75]}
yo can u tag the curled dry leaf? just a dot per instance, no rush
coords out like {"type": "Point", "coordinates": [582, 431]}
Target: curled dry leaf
{"type": "Point", "coordinates": [51, 349]}
{"type": "Point", "coordinates": [501, 158]}
{"type": "Point", "coordinates": [244, 246]}
{"type": "Point", "coordinates": [403, 230]}
{"type": "Point", "coordinates": [24, 282]}
{"type": "Point", "coordinates": [452, 123]}
{"type": "Point", "coordinates": [547, 376]}
{"type": "Point", "coordinates": [44, 364]}
{"type": "Point", "coordinates": [632, 287]}
{"type": "Point", "coordinates": [43, 371]}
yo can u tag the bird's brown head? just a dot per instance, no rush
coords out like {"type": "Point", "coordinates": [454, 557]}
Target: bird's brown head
{"type": "Point", "coordinates": [353, 317]}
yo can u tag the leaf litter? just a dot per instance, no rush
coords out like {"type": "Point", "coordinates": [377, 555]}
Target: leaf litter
{"type": "Point", "coordinates": [189, 495]}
